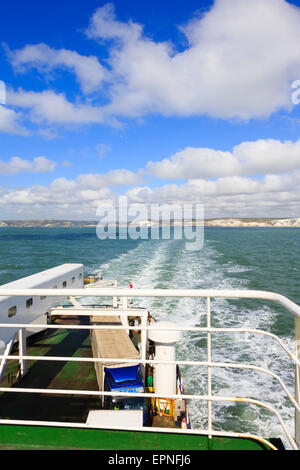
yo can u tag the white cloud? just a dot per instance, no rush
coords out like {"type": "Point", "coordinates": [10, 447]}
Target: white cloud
{"type": "Point", "coordinates": [236, 64]}
{"type": "Point", "coordinates": [274, 195]}
{"type": "Point", "coordinates": [195, 163]}
{"type": "Point", "coordinates": [17, 165]}
{"type": "Point", "coordinates": [248, 158]}
{"type": "Point", "coordinates": [105, 25]}
{"type": "Point", "coordinates": [233, 191]}
{"type": "Point", "coordinates": [117, 178]}
{"type": "Point", "coordinates": [9, 122]}
{"type": "Point", "coordinates": [54, 108]}
{"type": "Point", "coordinates": [88, 70]}
{"type": "Point", "coordinates": [268, 156]}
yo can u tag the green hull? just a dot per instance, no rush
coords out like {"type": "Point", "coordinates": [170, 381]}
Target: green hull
{"type": "Point", "coordinates": [20, 437]}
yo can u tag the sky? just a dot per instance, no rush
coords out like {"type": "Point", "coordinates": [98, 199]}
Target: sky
{"type": "Point", "coordinates": [174, 102]}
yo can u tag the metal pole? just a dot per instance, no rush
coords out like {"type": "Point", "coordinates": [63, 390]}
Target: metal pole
{"type": "Point", "coordinates": [297, 380]}
{"type": "Point", "coordinates": [144, 317]}
{"type": "Point", "coordinates": [124, 303]}
{"type": "Point", "coordinates": [6, 353]}
{"type": "Point", "coordinates": [22, 351]}
{"type": "Point", "coordinates": [209, 403]}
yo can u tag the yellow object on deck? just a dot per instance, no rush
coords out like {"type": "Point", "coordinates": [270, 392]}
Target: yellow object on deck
{"type": "Point", "coordinates": [163, 407]}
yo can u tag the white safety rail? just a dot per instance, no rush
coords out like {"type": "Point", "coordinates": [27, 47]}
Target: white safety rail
{"type": "Point", "coordinates": [102, 283]}
{"type": "Point", "coordinates": [123, 311]}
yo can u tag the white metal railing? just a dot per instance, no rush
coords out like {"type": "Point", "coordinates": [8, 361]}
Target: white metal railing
{"type": "Point", "coordinates": [101, 283]}
{"type": "Point", "coordinates": [208, 294]}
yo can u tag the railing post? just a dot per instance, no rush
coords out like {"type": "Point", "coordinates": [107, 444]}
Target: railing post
{"type": "Point", "coordinates": [144, 317]}
{"type": "Point", "coordinates": [124, 303]}
{"type": "Point", "coordinates": [297, 380]}
{"type": "Point", "coordinates": [22, 351]}
{"type": "Point", "coordinates": [6, 353]}
{"type": "Point", "coordinates": [209, 387]}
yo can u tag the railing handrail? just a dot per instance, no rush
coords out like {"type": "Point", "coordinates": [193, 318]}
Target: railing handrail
{"type": "Point", "coordinates": [207, 398]}
{"type": "Point", "coordinates": [125, 292]}
{"type": "Point", "coordinates": [193, 293]}
{"type": "Point", "coordinates": [210, 364]}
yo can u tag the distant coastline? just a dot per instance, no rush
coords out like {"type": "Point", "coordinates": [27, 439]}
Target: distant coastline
{"type": "Point", "coordinates": [218, 222]}
{"type": "Point", "coordinates": [253, 222]}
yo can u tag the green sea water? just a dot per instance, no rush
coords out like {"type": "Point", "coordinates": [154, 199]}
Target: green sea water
{"type": "Point", "coordinates": [231, 258]}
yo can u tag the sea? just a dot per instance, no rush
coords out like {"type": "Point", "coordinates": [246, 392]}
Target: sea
{"type": "Point", "coordinates": [231, 258]}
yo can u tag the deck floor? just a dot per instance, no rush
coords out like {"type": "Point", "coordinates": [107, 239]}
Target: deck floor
{"type": "Point", "coordinates": [72, 408]}
{"type": "Point", "coordinates": [52, 375]}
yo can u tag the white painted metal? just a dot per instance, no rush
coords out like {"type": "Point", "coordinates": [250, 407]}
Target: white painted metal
{"type": "Point", "coordinates": [74, 302]}
{"type": "Point", "coordinates": [5, 355]}
{"type": "Point", "coordinates": [209, 359]}
{"type": "Point", "coordinates": [144, 339]}
{"type": "Point", "coordinates": [297, 380]}
{"type": "Point", "coordinates": [31, 308]}
{"type": "Point", "coordinates": [193, 293]}
{"type": "Point", "coordinates": [22, 351]}
{"type": "Point", "coordinates": [160, 361]}
{"type": "Point", "coordinates": [100, 312]}
{"type": "Point", "coordinates": [151, 395]}
{"type": "Point", "coordinates": [164, 332]}
{"type": "Point", "coordinates": [165, 379]}
{"type": "Point", "coordinates": [115, 418]}
{"type": "Point", "coordinates": [209, 398]}
{"type": "Point", "coordinates": [102, 283]}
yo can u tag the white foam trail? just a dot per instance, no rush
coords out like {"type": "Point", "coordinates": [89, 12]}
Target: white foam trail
{"type": "Point", "coordinates": [166, 264]}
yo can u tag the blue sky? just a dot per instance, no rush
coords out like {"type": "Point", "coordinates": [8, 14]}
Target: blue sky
{"type": "Point", "coordinates": [164, 102]}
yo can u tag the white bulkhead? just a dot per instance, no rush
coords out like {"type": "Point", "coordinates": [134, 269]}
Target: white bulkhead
{"type": "Point", "coordinates": [33, 309]}
{"type": "Point", "coordinates": [165, 344]}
